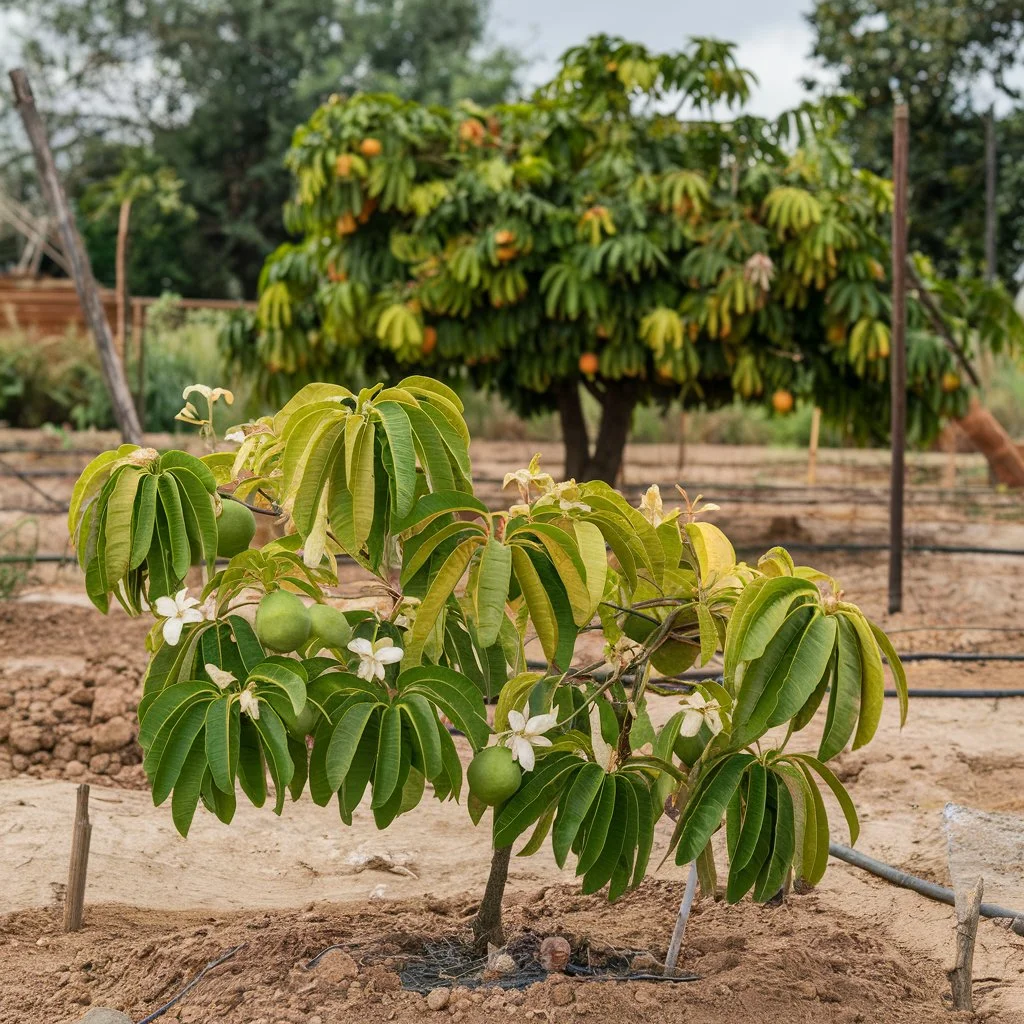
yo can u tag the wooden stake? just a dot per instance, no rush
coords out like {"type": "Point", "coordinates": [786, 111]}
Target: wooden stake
{"type": "Point", "coordinates": [78, 259]}
{"type": "Point", "coordinates": [898, 361]}
{"type": "Point", "coordinates": [968, 908]}
{"type": "Point", "coordinates": [74, 899]}
{"type": "Point", "coordinates": [812, 452]}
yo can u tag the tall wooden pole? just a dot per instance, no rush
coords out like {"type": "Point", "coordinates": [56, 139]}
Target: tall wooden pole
{"type": "Point", "coordinates": [898, 360]}
{"type": "Point", "coordinates": [78, 259]}
{"type": "Point", "coordinates": [990, 195]}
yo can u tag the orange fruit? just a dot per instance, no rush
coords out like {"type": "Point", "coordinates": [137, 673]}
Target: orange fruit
{"type": "Point", "coordinates": [370, 148]}
{"type": "Point", "coordinates": [472, 131]}
{"type": "Point", "coordinates": [782, 401]}
{"type": "Point", "coordinates": [343, 166]}
{"type": "Point", "coordinates": [346, 224]}
{"type": "Point", "coordinates": [369, 205]}
{"type": "Point", "coordinates": [836, 333]}
{"type": "Point", "coordinates": [505, 237]}
{"type": "Point", "coordinates": [506, 253]}
{"type": "Point", "coordinates": [429, 340]}
{"type": "Point", "coordinates": [601, 331]}
{"type": "Point", "coordinates": [335, 275]}
{"type": "Point", "coordinates": [588, 363]}
{"type": "Point", "coordinates": [611, 67]}
{"type": "Point", "coordinates": [950, 381]}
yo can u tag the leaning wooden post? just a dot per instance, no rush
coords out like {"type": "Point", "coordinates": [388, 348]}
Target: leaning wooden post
{"type": "Point", "coordinates": [812, 451]}
{"type": "Point", "coordinates": [968, 909]}
{"type": "Point", "coordinates": [74, 900]}
{"type": "Point", "coordinates": [81, 269]}
{"type": "Point", "coordinates": [898, 362]}
{"type": "Point", "coordinates": [679, 932]}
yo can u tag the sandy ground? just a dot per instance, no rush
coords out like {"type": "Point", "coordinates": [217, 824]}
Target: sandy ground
{"type": "Point", "coordinates": [159, 907]}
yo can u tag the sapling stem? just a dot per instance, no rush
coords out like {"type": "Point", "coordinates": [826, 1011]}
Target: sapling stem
{"type": "Point", "coordinates": [684, 915]}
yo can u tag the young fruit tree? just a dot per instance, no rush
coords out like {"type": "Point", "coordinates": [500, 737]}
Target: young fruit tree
{"type": "Point", "coordinates": [260, 676]}
{"type": "Point", "coordinates": [608, 236]}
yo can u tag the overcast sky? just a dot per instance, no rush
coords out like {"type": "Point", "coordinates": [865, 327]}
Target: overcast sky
{"type": "Point", "coordinates": [773, 36]}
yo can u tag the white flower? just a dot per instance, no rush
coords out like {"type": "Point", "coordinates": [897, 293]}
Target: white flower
{"type": "Point", "coordinates": [374, 656]}
{"type": "Point", "coordinates": [622, 653]}
{"type": "Point", "coordinates": [248, 703]}
{"type": "Point", "coordinates": [651, 505]}
{"type": "Point", "coordinates": [524, 479]}
{"type": "Point", "coordinates": [759, 271]}
{"type": "Point", "coordinates": [566, 494]}
{"type": "Point", "coordinates": [210, 394]}
{"type": "Point", "coordinates": [222, 678]}
{"type": "Point", "coordinates": [525, 735]}
{"type": "Point", "coordinates": [176, 612]}
{"type": "Point", "coordinates": [699, 710]}
{"type": "Point", "coordinates": [237, 435]}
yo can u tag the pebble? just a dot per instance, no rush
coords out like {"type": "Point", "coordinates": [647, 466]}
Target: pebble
{"type": "Point", "coordinates": [437, 998]}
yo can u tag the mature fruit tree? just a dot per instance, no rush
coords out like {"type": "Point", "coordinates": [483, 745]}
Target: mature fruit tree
{"type": "Point", "coordinates": [363, 704]}
{"type": "Point", "coordinates": [608, 236]}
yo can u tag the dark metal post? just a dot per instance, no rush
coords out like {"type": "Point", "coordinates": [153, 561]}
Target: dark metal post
{"type": "Point", "coordinates": [990, 195]}
{"type": "Point", "coordinates": [898, 361]}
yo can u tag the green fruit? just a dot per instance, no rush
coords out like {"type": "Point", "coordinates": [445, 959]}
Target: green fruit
{"type": "Point", "coordinates": [330, 626]}
{"type": "Point", "coordinates": [493, 776]}
{"type": "Point", "coordinates": [282, 621]}
{"type": "Point", "coordinates": [304, 723]}
{"type": "Point", "coordinates": [236, 526]}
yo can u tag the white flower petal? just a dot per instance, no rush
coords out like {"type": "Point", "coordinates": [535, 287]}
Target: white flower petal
{"type": "Point", "coordinates": [166, 607]}
{"type": "Point", "coordinates": [540, 741]}
{"type": "Point", "coordinates": [516, 721]}
{"type": "Point", "coordinates": [389, 655]}
{"type": "Point", "coordinates": [377, 668]}
{"type": "Point", "coordinates": [692, 721]}
{"type": "Point", "coordinates": [220, 676]}
{"type": "Point", "coordinates": [714, 720]}
{"type": "Point", "coordinates": [249, 704]}
{"type": "Point", "coordinates": [235, 435]}
{"type": "Point", "coordinates": [365, 671]}
{"type": "Point", "coordinates": [540, 723]}
{"type": "Point", "coordinates": [361, 646]}
{"type": "Point", "coordinates": [172, 631]}
{"type": "Point", "coordinates": [526, 756]}
{"type": "Point", "coordinates": [191, 615]}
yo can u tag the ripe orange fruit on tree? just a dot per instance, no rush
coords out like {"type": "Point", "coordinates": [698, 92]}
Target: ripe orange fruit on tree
{"type": "Point", "coordinates": [370, 148]}
{"type": "Point", "coordinates": [506, 253]}
{"type": "Point", "coordinates": [429, 340]}
{"type": "Point", "coordinates": [369, 205]}
{"type": "Point", "coordinates": [335, 275]}
{"type": "Point", "coordinates": [589, 363]}
{"type": "Point", "coordinates": [505, 237]}
{"type": "Point", "coordinates": [472, 131]}
{"type": "Point", "coordinates": [343, 166]}
{"type": "Point", "coordinates": [836, 333]}
{"type": "Point", "coordinates": [950, 381]}
{"type": "Point", "coordinates": [346, 224]}
{"type": "Point", "coordinates": [601, 331]}
{"type": "Point", "coordinates": [782, 401]}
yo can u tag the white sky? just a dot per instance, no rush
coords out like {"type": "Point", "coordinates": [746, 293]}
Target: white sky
{"type": "Point", "coordinates": [772, 36]}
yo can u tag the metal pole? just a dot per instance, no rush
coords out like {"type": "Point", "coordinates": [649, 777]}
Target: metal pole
{"type": "Point", "coordinates": [77, 258]}
{"type": "Point", "coordinates": [898, 361]}
{"type": "Point", "coordinates": [990, 195]}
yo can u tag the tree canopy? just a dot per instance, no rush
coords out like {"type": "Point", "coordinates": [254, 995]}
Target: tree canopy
{"type": "Point", "coordinates": [610, 234]}
{"type": "Point", "coordinates": [949, 61]}
{"type": "Point", "coordinates": [216, 87]}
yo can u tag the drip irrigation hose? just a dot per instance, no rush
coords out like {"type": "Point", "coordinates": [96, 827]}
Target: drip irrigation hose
{"type": "Point", "coordinates": [919, 885]}
{"type": "Point", "coordinates": [160, 1011]}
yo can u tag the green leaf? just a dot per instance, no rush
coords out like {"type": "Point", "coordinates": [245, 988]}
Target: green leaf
{"type": "Point", "coordinates": [582, 793]}
{"type": "Point", "coordinates": [838, 791]}
{"type": "Point", "coordinates": [361, 485]}
{"type": "Point", "coordinates": [444, 583]}
{"type": "Point", "coordinates": [454, 694]}
{"type": "Point", "coordinates": [491, 591]}
{"type": "Point", "coordinates": [275, 749]}
{"type": "Point", "coordinates": [814, 858]}
{"type": "Point", "coordinates": [189, 785]}
{"type": "Point", "coordinates": [740, 880]}
{"type": "Point", "coordinates": [425, 725]}
{"type": "Point", "coordinates": [764, 619]}
{"type": "Point", "coordinates": [896, 667]}
{"type": "Point", "coordinates": [222, 739]}
{"type": "Point", "coordinates": [398, 431]}
{"type": "Point", "coordinates": [513, 696]}
{"type": "Point", "coordinates": [773, 873]}
{"type": "Point", "coordinates": [844, 699]}
{"type": "Point", "coordinates": [418, 556]}
{"type": "Point", "coordinates": [252, 776]}
{"type": "Point", "coordinates": [196, 496]}
{"type": "Point", "coordinates": [708, 632]}
{"type": "Point", "coordinates": [180, 551]}
{"type": "Point", "coordinates": [344, 742]}
{"type": "Point", "coordinates": [389, 758]}
{"type": "Point", "coordinates": [173, 460]}
{"type": "Point", "coordinates": [312, 476]}
{"type": "Point", "coordinates": [872, 689]}
{"type": "Point", "coordinates": [118, 528]}
{"type": "Point", "coordinates": [531, 800]}
{"type": "Point", "coordinates": [94, 477]}
{"type": "Point", "coordinates": [645, 830]}
{"type": "Point", "coordinates": [704, 811]}
{"type": "Point", "coordinates": [596, 827]}
{"type": "Point", "coordinates": [623, 869]}
{"type": "Point", "coordinates": [601, 872]}
{"type": "Point", "coordinates": [540, 832]}
{"type": "Point", "coordinates": [809, 663]}
{"type": "Point", "coordinates": [431, 451]}
{"type": "Point", "coordinates": [590, 542]}
{"type": "Point", "coordinates": [182, 735]}
{"type": "Point", "coordinates": [143, 521]}
{"type": "Point", "coordinates": [542, 613]}
{"type": "Point", "coordinates": [284, 674]}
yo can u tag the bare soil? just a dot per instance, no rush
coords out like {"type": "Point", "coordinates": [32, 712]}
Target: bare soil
{"type": "Point", "coordinates": [159, 908]}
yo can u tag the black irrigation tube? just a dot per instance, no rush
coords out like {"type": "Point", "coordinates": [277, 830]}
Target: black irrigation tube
{"type": "Point", "coordinates": [941, 549]}
{"type": "Point", "coordinates": [160, 1011]}
{"type": "Point", "coordinates": [918, 885]}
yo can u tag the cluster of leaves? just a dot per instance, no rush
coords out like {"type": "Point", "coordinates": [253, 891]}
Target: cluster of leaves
{"type": "Point", "coordinates": [383, 476]}
{"type": "Point", "coordinates": [686, 255]}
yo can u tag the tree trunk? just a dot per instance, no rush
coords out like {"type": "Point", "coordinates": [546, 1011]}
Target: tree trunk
{"type": "Point", "coordinates": [604, 462]}
{"type": "Point", "coordinates": [988, 436]}
{"type": "Point", "coordinates": [487, 926]}
{"type": "Point", "coordinates": [121, 278]}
